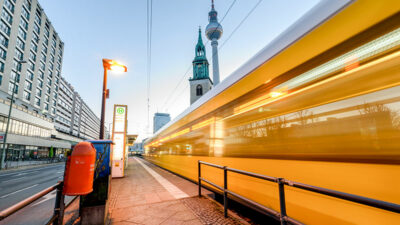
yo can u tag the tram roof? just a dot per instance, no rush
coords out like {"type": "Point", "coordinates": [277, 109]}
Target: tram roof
{"type": "Point", "coordinates": [310, 35]}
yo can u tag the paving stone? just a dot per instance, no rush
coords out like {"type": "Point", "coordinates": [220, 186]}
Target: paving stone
{"type": "Point", "coordinates": [139, 198]}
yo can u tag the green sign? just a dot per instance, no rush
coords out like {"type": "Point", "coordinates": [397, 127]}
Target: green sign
{"type": "Point", "coordinates": [120, 110]}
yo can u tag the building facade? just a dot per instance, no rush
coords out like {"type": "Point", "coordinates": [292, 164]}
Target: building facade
{"type": "Point", "coordinates": [45, 120]}
{"type": "Point", "coordinates": [74, 117]}
{"type": "Point", "coordinates": [200, 83]}
{"type": "Point", "coordinates": [27, 34]}
{"type": "Point", "coordinates": [159, 120]}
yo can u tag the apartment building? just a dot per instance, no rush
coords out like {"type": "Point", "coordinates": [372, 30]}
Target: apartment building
{"type": "Point", "coordinates": [74, 117]}
{"type": "Point", "coordinates": [31, 54]}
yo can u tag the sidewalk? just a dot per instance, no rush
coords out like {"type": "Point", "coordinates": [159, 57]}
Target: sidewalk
{"type": "Point", "coordinates": [150, 195]}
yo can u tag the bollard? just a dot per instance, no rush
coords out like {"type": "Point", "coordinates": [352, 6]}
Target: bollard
{"type": "Point", "coordinates": [225, 192]}
{"type": "Point", "coordinates": [281, 184]}
{"type": "Point", "coordinates": [199, 168]}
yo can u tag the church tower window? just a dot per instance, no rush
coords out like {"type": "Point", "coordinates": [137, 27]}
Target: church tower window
{"type": "Point", "coordinates": [199, 90]}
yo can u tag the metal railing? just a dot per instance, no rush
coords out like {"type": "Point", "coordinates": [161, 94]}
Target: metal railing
{"type": "Point", "coordinates": [282, 216]}
{"type": "Point", "coordinates": [59, 207]}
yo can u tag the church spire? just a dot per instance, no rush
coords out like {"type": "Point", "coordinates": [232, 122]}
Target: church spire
{"type": "Point", "coordinates": [200, 40]}
{"type": "Point", "coordinates": [200, 50]}
{"type": "Point", "coordinates": [200, 63]}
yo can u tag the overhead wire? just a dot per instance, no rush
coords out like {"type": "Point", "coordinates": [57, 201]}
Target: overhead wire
{"type": "Point", "coordinates": [234, 30]}
{"type": "Point", "coordinates": [149, 38]}
{"type": "Point", "coordinates": [188, 69]}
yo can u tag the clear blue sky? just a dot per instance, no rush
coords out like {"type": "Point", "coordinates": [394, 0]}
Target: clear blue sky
{"type": "Point", "coordinates": [96, 29]}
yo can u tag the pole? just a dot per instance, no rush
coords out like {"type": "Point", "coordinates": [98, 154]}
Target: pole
{"type": "Point", "coordinates": [282, 203]}
{"type": "Point", "coordinates": [103, 104]}
{"type": "Point", "coordinates": [3, 152]}
{"type": "Point", "coordinates": [199, 170]}
{"type": "Point", "coordinates": [225, 192]}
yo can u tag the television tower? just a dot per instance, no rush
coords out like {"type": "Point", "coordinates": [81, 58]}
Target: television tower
{"type": "Point", "coordinates": [214, 32]}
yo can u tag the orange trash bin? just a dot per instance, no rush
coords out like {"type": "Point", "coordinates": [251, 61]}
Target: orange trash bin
{"type": "Point", "coordinates": [78, 179]}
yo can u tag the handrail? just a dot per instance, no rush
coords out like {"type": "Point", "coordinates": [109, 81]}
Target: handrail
{"type": "Point", "coordinates": [20, 205]}
{"type": "Point", "coordinates": [57, 217]}
{"type": "Point", "coordinates": [281, 183]}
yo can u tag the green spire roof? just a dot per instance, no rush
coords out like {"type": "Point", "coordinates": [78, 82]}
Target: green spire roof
{"type": "Point", "coordinates": [200, 51]}
{"type": "Point", "coordinates": [200, 63]}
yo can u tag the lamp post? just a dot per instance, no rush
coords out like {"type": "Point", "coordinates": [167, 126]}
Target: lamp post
{"type": "Point", "coordinates": [3, 153]}
{"type": "Point", "coordinates": [108, 64]}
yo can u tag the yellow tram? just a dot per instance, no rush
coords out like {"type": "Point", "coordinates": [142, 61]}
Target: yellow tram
{"type": "Point", "coordinates": [320, 105]}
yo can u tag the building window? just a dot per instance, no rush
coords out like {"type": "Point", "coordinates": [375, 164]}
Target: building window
{"type": "Point", "coordinates": [27, 96]}
{"type": "Point", "coordinates": [23, 23]}
{"type": "Point", "coordinates": [29, 75]}
{"type": "Point", "coordinates": [46, 41]}
{"type": "Point", "coordinates": [43, 57]}
{"type": "Point", "coordinates": [6, 16]}
{"type": "Point", "coordinates": [4, 27]}
{"type": "Point", "coordinates": [47, 98]}
{"type": "Point", "coordinates": [38, 92]}
{"type": "Point", "coordinates": [199, 90]}
{"type": "Point", "coordinates": [32, 56]}
{"type": "Point", "coordinates": [20, 44]}
{"type": "Point", "coordinates": [36, 28]}
{"type": "Point", "coordinates": [42, 66]}
{"type": "Point", "coordinates": [48, 91]}
{"type": "Point", "coordinates": [40, 83]}
{"type": "Point", "coordinates": [18, 54]}
{"type": "Point", "coordinates": [41, 74]}
{"type": "Point", "coordinates": [14, 77]}
{"type": "Point", "coordinates": [9, 5]}
{"type": "Point", "coordinates": [25, 13]}
{"type": "Point", "coordinates": [28, 85]}
{"type": "Point", "coordinates": [44, 48]}
{"type": "Point", "coordinates": [3, 40]}
{"type": "Point", "coordinates": [35, 37]}
{"type": "Point", "coordinates": [16, 65]}
{"type": "Point", "coordinates": [1, 66]}
{"type": "Point", "coordinates": [46, 31]}
{"type": "Point", "coordinates": [21, 33]}
{"type": "Point", "coordinates": [11, 88]}
{"type": "Point", "coordinates": [27, 3]}
{"type": "Point", "coordinates": [3, 53]}
{"type": "Point", "coordinates": [37, 101]}
{"type": "Point", "coordinates": [46, 106]}
{"type": "Point", "coordinates": [31, 65]}
{"type": "Point", "coordinates": [34, 47]}
{"type": "Point", "coordinates": [37, 19]}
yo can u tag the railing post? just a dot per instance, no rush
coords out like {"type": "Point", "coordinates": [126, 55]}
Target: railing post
{"type": "Point", "coordinates": [199, 168]}
{"type": "Point", "coordinates": [281, 184]}
{"type": "Point", "coordinates": [225, 192]}
{"type": "Point", "coordinates": [59, 206]}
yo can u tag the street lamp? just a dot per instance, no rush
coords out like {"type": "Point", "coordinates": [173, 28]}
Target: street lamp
{"type": "Point", "coordinates": [3, 153]}
{"type": "Point", "coordinates": [108, 64]}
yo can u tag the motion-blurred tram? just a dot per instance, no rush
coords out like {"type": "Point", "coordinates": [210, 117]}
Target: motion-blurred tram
{"type": "Point", "coordinates": [319, 105]}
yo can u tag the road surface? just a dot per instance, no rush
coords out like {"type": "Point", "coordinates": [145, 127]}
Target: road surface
{"type": "Point", "coordinates": [19, 185]}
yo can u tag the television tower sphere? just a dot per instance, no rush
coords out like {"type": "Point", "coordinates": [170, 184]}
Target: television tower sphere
{"type": "Point", "coordinates": [214, 29]}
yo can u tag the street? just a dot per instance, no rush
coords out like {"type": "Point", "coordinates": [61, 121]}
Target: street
{"type": "Point", "coordinates": [16, 186]}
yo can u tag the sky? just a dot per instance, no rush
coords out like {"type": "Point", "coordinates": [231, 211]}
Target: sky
{"type": "Point", "coordinates": [95, 29]}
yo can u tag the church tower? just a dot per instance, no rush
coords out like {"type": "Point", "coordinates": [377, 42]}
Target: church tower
{"type": "Point", "coordinates": [200, 83]}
